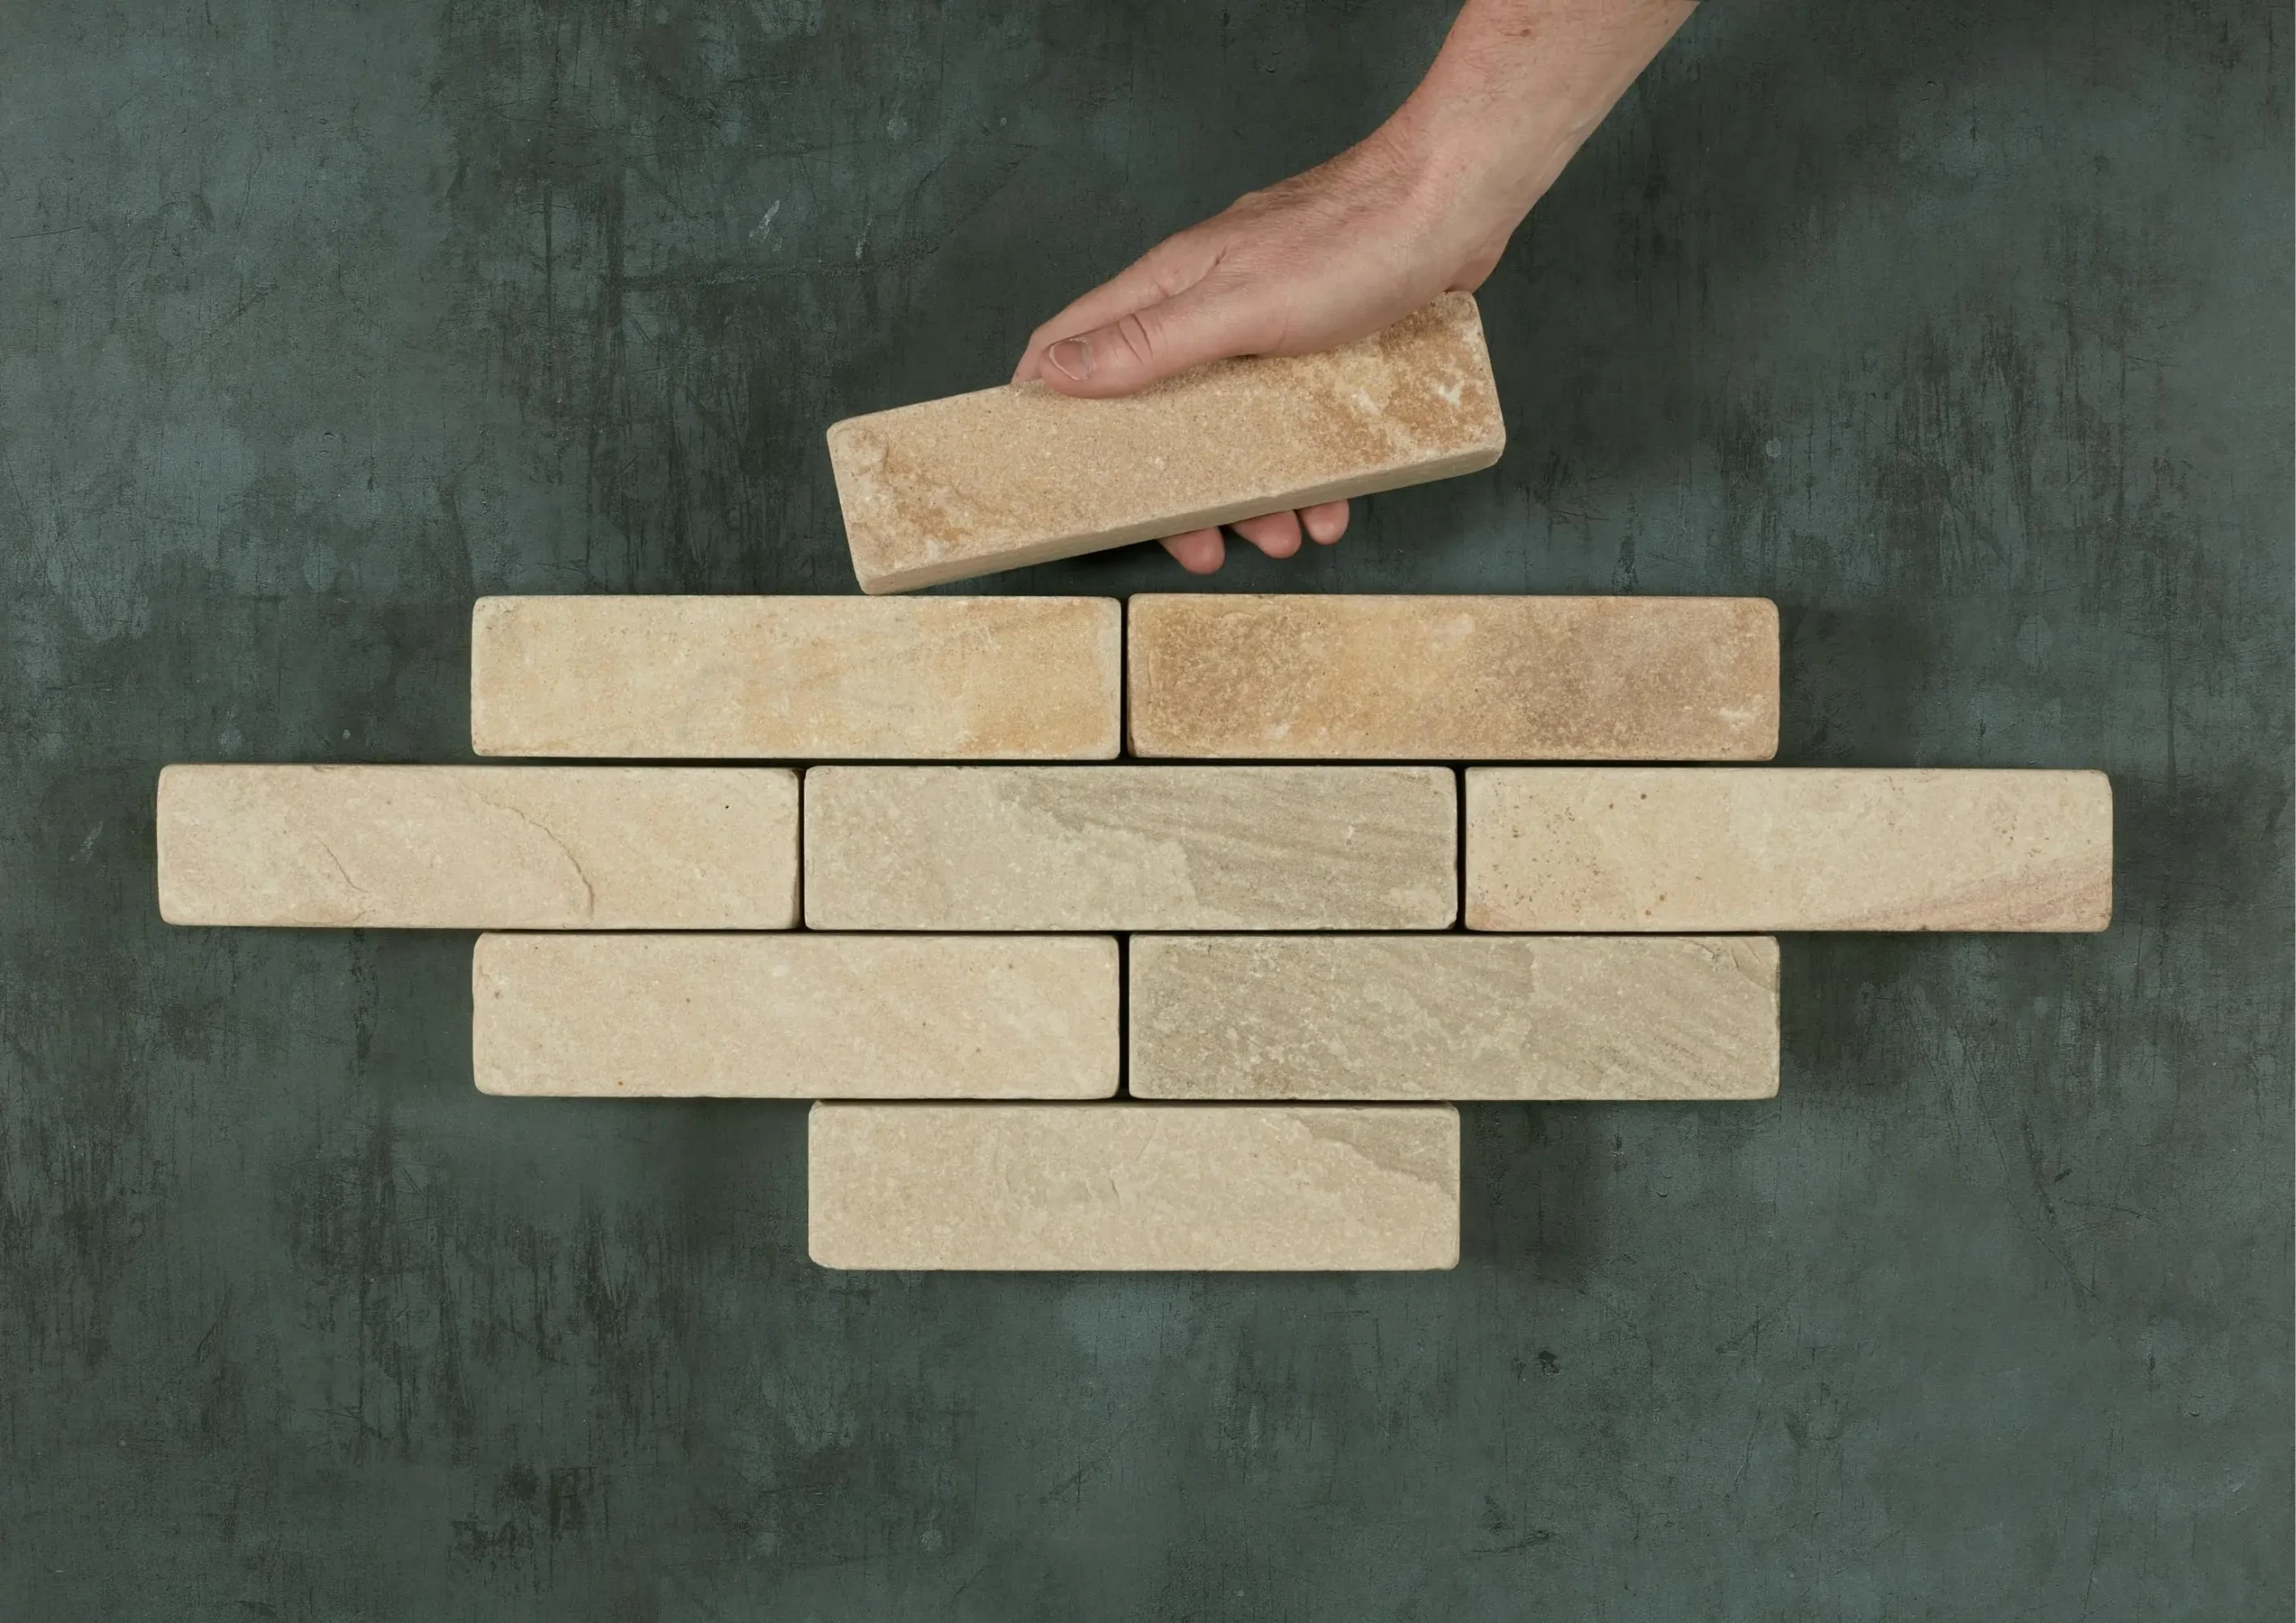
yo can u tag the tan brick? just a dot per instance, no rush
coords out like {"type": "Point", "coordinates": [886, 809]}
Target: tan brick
{"type": "Point", "coordinates": [1134, 1186]}
{"type": "Point", "coordinates": [1130, 847]}
{"type": "Point", "coordinates": [796, 678]}
{"type": "Point", "coordinates": [796, 1015]}
{"type": "Point", "coordinates": [479, 847]}
{"type": "Point", "coordinates": [1453, 1016]}
{"type": "Point", "coordinates": [1762, 848]}
{"type": "Point", "coordinates": [991, 481]}
{"type": "Point", "coordinates": [1338, 677]}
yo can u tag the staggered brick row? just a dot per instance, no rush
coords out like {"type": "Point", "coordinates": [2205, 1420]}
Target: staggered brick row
{"type": "Point", "coordinates": [1298, 989]}
{"type": "Point", "coordinates": [1218, 676]}
{"type": "Point", "coordinates": [1119, 847]}
{"type": "Point", "coordinates": [1366, 1018]}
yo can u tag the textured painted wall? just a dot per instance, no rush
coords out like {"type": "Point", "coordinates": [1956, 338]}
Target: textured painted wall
{"type": "Point", "coordinates": [1961, 329]}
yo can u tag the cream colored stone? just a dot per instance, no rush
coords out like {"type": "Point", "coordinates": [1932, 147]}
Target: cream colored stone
{"type": "Point", "coordinates": [1339, 677]}
{"type": "Point", "coordinates": [797, 678]}
{"type": "Point", "coordinates": [991, 481]}
{"type": "Point", "coordinates": [1765, 848]}
{"type": "Point", "coordinates": [1131, 847]}
{"type": "Point", "coordinates": [1134, 1186]}
{"type": "Point", "coordinates": [796, 1015]}
{"type": "Point", "coordinates": [479, 847]}
{"type": "Point", "coordinates": [1453, 1016]}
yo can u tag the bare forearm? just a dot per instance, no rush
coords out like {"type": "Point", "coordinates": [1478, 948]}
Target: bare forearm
{"type": "Point", "coordinates": [1515, 90]}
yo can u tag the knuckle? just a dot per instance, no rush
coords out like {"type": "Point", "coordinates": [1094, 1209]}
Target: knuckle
{"type": "Point", "coordinates": [1139, 337]}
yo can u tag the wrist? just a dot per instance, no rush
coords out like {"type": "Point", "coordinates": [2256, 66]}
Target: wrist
{"type": "Point", "coordinates": [1515, 90]}
{"type": "Point", "coordinates": [1467, 172]}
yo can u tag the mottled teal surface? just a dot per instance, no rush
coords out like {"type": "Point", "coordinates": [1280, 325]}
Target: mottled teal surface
{"type": "Point", "coordinates": [1961, 329]}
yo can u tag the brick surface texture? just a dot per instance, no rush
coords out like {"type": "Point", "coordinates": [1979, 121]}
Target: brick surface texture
{"type": "Point", "coordinates": [797, 678]}
{"type": "Point", "coordinates": [1323, 676]}
{"type": "Point", "coordinates": [1122, 1186]}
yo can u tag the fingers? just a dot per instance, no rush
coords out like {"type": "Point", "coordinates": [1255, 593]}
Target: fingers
{"type": "Point", "coordinates": [1277, 535]}
{"type": "Point", "coordinates": [1172, 265]}
{"type": "Point", "coordinates": [1326, 522]}
{"type": "Point", "coordinates": [1199, 551]}
{"type": "Point", "coordinates": [1208, 322]}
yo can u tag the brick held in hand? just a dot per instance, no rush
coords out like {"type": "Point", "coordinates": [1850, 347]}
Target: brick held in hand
{"type": "Point", "coordinates": [1776, 848]}
{"type": "Point", "coordinates": [950, 489]}
{"type": "Point", "coordinates": [1120, 1185]}
{"type": "Point", "coordinates": [797, 678]}
{"type": "Point", "coordinates": [1344, 677]}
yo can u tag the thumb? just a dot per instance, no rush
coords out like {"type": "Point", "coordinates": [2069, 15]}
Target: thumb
{"type": "Point", "coordinates": [1203, 324]}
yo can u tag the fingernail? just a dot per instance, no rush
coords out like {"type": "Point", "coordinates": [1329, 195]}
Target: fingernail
{"type": "Point", "coordinates": [1072, 356]}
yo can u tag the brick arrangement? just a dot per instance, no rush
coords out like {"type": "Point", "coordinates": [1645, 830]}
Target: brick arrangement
{"type": "Point", "coordinates": [1263, 1076]}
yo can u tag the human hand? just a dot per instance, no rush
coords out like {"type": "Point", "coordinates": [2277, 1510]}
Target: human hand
{"type": "Point", "coordinates": [1312, 261]}
{"type": "Point", "coordinates": [1423, 206]}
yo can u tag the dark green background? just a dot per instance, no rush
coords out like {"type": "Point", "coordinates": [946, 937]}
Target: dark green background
{"type": "Point", "coordinates": [1961, 328]}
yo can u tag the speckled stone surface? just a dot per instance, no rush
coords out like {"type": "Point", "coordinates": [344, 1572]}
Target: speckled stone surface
{"type": "Point", "coordinates": [1453, 1016]}
{"type": "Point", "coordinates": [479, 847]}
{"type": "Point", "coordinates": [1778, 848]}
{"type": "Point", "coordinates": [1127, 847]}
{"type": "Point", "coordinates": [796, 1015]}
{"type": "Point", "coordinates": [1367, 677]}
{"type": "Point", "coordinates": [965, 486]}
{"type": "Point", "coordinates": [797, 678]}
{"type": "Point", "coordinates": [1121, 1186]}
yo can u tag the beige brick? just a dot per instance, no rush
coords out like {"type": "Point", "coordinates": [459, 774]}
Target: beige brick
{"type": "Point", "coordinates": [991, 481]}
{"type": "Point", "coordinates": [1340, 677]}
{"type": "Point", "coordinates": [1758, 848]}
{"type": "Point", "coordinates": [479, 847]}
{"type": "Point", "coordinates": [796, 678]}
{"type": "Point", "coordinates": [1130, 847]}
{"type": "Point", "coordinates": [1134, 1186]}
{"type": "Point", "coordinates": [795, 1016]}
{"type": "Point", "coordinates": [1453, 1016]}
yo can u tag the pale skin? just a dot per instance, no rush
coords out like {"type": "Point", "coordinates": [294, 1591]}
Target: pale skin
{"type": "Point", "coordinates": [1422, 205]}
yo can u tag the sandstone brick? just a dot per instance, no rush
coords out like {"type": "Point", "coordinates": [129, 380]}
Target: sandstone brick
{"type": "Point", "coordinates": [1122, 1186]}
{"type": "Point", "coordinates": [1453, 1016]}
{"type": "Point", "coordinates": [479, 847]}
{"type": "Point", "coordinates": [1339, 677]}
{"type": "Point", "coordinates": [975, 483]}
{"type": "Point", "coordinates": [796, 1015]}
{"type": "Point", "coordinates": [1762, 848]}
{"type": "Point", "coordinates": [1127, 847]}
{"type": "Point", "coordinates": [796, 678]}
